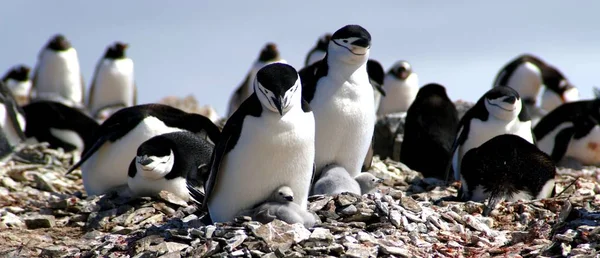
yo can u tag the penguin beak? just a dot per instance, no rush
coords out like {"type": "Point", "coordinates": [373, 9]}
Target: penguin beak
{"type": "Point", "coordinates": [144, 161]}
{"type": "Point", "coordinates": [361, 43]}
{"type": "Point", "coordinates": [277, 101]}
{"type": "Point", "coordinates": [289, 198]}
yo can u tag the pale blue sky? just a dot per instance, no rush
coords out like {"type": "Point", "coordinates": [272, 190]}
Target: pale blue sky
{"type": "Point", "coordinates": [205, 48]}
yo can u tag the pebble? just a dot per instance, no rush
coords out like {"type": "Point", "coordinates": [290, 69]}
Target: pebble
{"type": "Point", "coordinates": [40, 221]}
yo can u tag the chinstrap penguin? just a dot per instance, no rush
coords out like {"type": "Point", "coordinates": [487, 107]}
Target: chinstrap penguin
{"type": "Point", "coordinates": [429, 131]}
{"type": "Point", "coordinates": [280, 205]}
{"type": "Point", "coordinates": [166, 161]}
{"type": "Point", "coordinates": [269, 54]}
{"type": "Point", "coordinates": [267, 142]}
{"type": "Point", "coordinates": [18, 81]}
{"type": "Point", "coordinates": [334, 179]}
{"type": "Point", "coordinates": [105, 164]}
{"type": "Point", "coordinates": [339, 92]}
{"type": "Point", "coordinates": [498, 111]}
{"type": "Point", "coordinates": [59, 125]}
{"type": "Point", "coordinates": [318, 51]}
{"type": "Point", "coordinates": [572, 130]}
{"type": "Point", "coordinates": [401, 85]}
{"type": "Point", "coordinates": [57, 75]}
{"type": "Point", "coordinates": [113, 84]}
{"type": "Point", "coordinates": [507, 167]}
{"type": "Point", "coordinates": [558, 90]}
{"type": "Point", "coordinates": [12, 121]}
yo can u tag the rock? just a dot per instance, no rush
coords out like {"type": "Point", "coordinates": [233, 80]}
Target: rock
{"type": "Point", "coordinates": [392, 250]}
{"type": "Point", "coordinates": [40, 221]}
{"type": "Point", "coordinates": [10, 220]}
{"type": "Point", "coordinates": [280, 235]}
{"type": "Point", "coordinates": [172, 198]}
{"type": "Point", "coordinates": [346, 199]}
{"type": "Point", "coordinates": [359, 250]}
{"type": "Point", "coordinates": [348, 210]}
{"type": "Point", "coordinates": [321, 234]}
{"type": "Point", "coordinates": [54, 251]}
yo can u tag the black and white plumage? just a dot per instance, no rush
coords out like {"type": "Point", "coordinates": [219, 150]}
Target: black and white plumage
{"type": "Point", "coordinates": [507, 167]}
{"type": "Point", "coordinates": [266, 143]}
{"type": "Point", "coordinates": [318, 51]}
{"type": "Point", "coordinates": [269, 54]}
{"type": "Point", "coordinates": [558, 90]}
{"type": "Point", "coordinates": [335, 179]}
{"type": "Point", "coordinates": [113, 85]}
{"type": "Point", "coordinates": [498, 111]}
{"type": "Point", "coordinates": [376, 78]}
{"type": "Point", "coordinates": [104, 165]}
{"type": "Point", "coordinates": [59, 125]}
{"type": "Point", "coordinates": [429, 131]}
{"type": "Point", "coordinates": [339, 92]}
{"type": "Point", "coordinates": [401, 85]}
{"type": "Point", "coordinates": [167, 162]}
{"type": "Point", "coordinates": [57, 76]}
{"type": "Point", "coordinates": [571, 130]}
{"type": "Point", "coordinates": [12, 122]}
{"type": "Point", "coordinates": [18, 81]}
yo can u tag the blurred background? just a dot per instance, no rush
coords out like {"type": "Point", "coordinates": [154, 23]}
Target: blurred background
{"type": "Point", "coordinates": [205, 48]}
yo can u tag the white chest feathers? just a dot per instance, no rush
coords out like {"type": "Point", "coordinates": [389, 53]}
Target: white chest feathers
{"type": "Point", "coordinates": [59, 76]}
{"type": "Point", "coordinates": [400, 94]}
{"type": "Point", "coordinates": [10, 129]}
{"type": "Point", "coordinates": [585, 149]}
{"type": "Point", "coordinates": [113, 84]}
{"type": "Point", "coordinates": [19, 89]}
{"type": "Point", "coordinates": [271, 151]}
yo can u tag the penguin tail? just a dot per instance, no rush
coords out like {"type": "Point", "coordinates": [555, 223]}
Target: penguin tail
{"type": "Point", "coordinates": [197, 195]}
{"type": "Point", "coordinates": [89, 153]}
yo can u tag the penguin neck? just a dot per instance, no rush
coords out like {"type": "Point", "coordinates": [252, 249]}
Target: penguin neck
{"type": "Point", "coordinates": [341, 71]}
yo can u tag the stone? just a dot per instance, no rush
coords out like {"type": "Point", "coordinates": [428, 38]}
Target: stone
{"type": "Point", "coordinates": [172, 198]}
{"type": "Point", "coordinates": [40, 221]}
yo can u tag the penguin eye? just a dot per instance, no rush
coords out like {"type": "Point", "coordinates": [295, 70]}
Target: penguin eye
{"type": "Point", "coordinates": [345, 41]}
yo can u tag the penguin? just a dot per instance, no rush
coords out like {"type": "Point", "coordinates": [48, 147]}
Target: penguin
{"type": "Point", "coordinates": [105, 164]}
{"type": "Point", "coordinates": [376, 74]}
{"type": "Point", "coordinates": [268, 54]}
{"type": "Point", "coordinates": [57, 75]}
{"type": "Point", "coordinates": [367, 182]}
{"type": "Point", "coordinates": [334, 179]}
{"type": "Point", "coordinates": [18, 81]}
{"type": "Point", "coordinates": [280, 205]}
{"type": "Point", "coordinates": [12, 122]}
{"type": "Point", "coordinates": [507, 167]}
{"type": "Point", "coordinates": [429, 130]}
{"type": "Point", "coordinates": [572, 130]}
{"type": "Point", "coordinates": [338, 90]}
{"type": "Point", "coordinates": [269, 141]}
{"type": "Point", "coordinates": [59, 125]}
{"type": "Point", "coordinates": [558, 90]}
{"type": "Point", "coordinates": [499, 111]}
{"type": "Point", "coordinates": [318, 51]}
{"type": "Point", "coordinates": [113, 84]}
{"type": "Point", "coordinates": [166, 161]}
{"type": "Point", "coordinates": [401, 85]}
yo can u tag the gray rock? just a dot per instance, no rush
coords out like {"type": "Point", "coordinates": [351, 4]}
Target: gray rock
{"type": "Point", "coordinates": [348, 210]}
{"type": "Point", "coordinates": [321, 234]}
{"type": "Point", "coordinates": [54, 251]}
{"type": "Point", "coordinates": [172, 198]}
{"type": "Point", "coordinates": [40, 221]}
{"type": "Point", "coordinates": [360, 250]}
{"type": "Point", "coordinates": [346, 199]}
{"type": "Point", "coordinates": [280, 235]}
{"type": "Point", "coordinates": [10, 220]}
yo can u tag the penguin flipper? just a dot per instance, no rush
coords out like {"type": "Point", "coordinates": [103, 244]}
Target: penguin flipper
{"type": "Point", "coordinates": [452, 164]}
{"type": "Point", "coordinates": [379, 89]}
{"type": "Point", "coordinates": [99, 142]}
{"type": "Point", "coordinates": [561, 143]}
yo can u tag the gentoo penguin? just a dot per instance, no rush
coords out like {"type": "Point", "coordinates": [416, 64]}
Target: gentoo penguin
{"type": "Point", "coordinates": [280, 205]}
{"type": "Point", "coordinates": [17, 80]}
{"type": "Point", "coordinates": [164, 162]}
{"type": "Point", "coordinates": [59, 125]}
{"type": "Point", "coordinates": [12, 121]}
{"type": "Point", "coordinates": [334, 179]}
{"type": "Point", "coordinates": [104, 165]}
{"type": "Point", "coordinates": [268, 54]}
{"type": "Point", "coordinates": [318, 51]}
{"type": "Point", "coordinates": [113, 84]}
{"type": "Point", "coordinates": [339, 92]}
{"type": "Point", "coordinates": [376, 74]}
{"type": "Point", "coordinates": [558, 90]}
{"type": "Point", "coordinates": [268, 142]}
{"type": "Point", "coordinates": [498, 111]}
{"type": "Point", "coordinates": [571, 130]}
{"type": "Point", "coordinates": [401, 85]}
{"type": "Point", "coordinates": [507, 167]}
{"type": "Point", "coordinates": [429, 131]}
{"type": "Point", "coordinates": [57, 75]}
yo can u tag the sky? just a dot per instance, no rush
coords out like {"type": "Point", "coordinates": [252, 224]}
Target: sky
{"type": "Point", "coordinates": [205, 48]}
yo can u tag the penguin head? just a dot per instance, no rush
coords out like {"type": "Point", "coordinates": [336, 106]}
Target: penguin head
{"type": "Point", "coordinates": [401, 70]}
{"type": "Point", "coordinates": [350, 44]}
{"type": "Point", "coordinates": [155, 158]}
{"type": "Point", "coordinates": [59, 43]}
{"type": "Point", "coordinates": [558, 89]}
{"type": "Point", "coordinates": [116, 50]}
{"type": "Point", "coordinates": [367, 182]}
{"type": "Point", "coordinates": [269, 53]}
{"type": "Point", "coordinates": [432, 89]}
{"type": "Point", "coordinates": [323, 41]}
{"type": "Point", "coordinates": [283, 194]}
{"type": "Point", "coordinates": [504, 103]}
{"type": "Point", "coordinates": [278, 87]}
{"type": "Point", "coordinates": [18, 73]}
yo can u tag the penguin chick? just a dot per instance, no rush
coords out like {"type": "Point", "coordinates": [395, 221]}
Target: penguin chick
{"type": "Point", "coordinates": [280, 205]}
{"type": "Point", "coordinates": [367, 182]}
{"type": "Point", "coordinates": [334, 179]}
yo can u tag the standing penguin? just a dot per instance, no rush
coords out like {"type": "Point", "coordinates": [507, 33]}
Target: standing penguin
{"type": "Point", "coordinates": [268, 54]}
{"type": "Point", "coordinates": [113, 85]}
{"type": "Point", "coordinates": [498, 111]}
{"type": "Point", "coordinates": [339, 92]}
{"type": "Point", "coordinates": [59, 125]}
{"type": "Point", "coordinates": [17, 80]}
{"type": "Point", "coordinates": [507, 167]}
{"type": "Point", "coordinates": [571, 130]}
{"type": "Point", "coordinates": [12, 122]}
{"type": "Point", "coordinates": [401, 85]}
{"type": "Point", "coordinates": [167, 161]}
{"type": "Point", "coordinates": [57, 75]}
{"type": "Point", "coordinates": [104, 165]}
{"type": "Point", "coordinates": [266, 143]}
{"type": "Point", "coordinates": [429, 131]}
{"type": "Point", "coordinates": [318, 51]}
{"type": "Point", "coordinates": [558, 90]}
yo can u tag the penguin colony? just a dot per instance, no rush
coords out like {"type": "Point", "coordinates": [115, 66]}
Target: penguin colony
{"type": "Point", "coordinates": [290, 133]}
